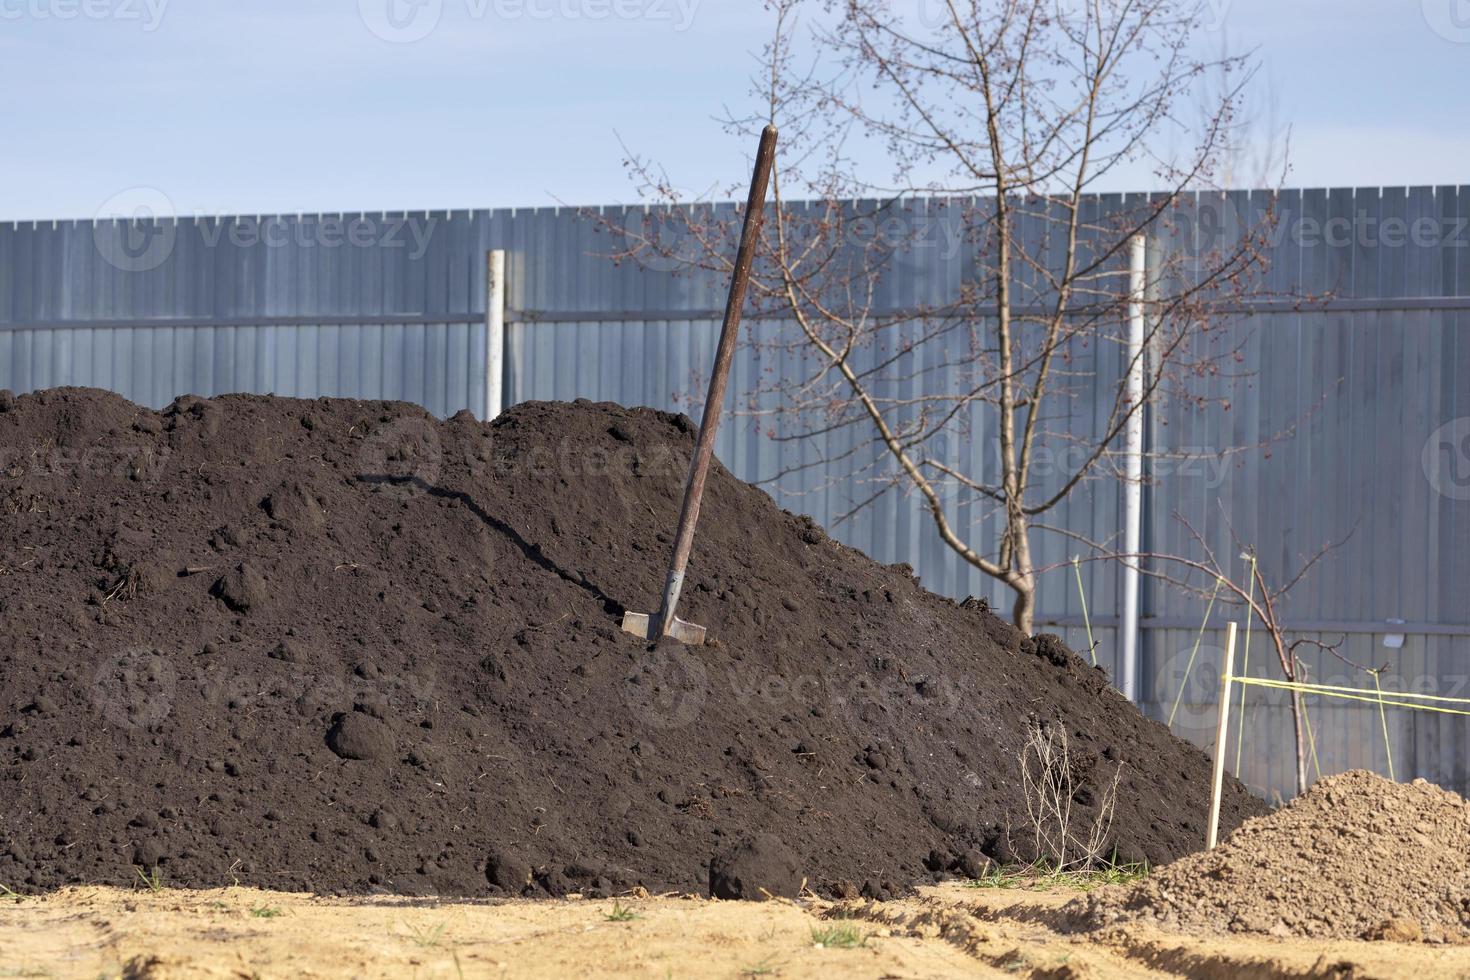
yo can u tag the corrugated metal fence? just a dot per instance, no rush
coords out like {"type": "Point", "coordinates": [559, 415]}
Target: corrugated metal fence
{"type": "Point", "coordinates": [1364, 400]}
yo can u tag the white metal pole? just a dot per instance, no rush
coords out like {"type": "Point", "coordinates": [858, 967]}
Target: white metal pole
{"type": "Point", "coordinates": [1133, 467]}
{"type": "Point", "coordinates": [494, 333]}
{"type": "Point", "coordinates": [1222, 730]}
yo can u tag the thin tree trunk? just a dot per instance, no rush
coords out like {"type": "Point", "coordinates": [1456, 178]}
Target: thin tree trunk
{"type": "Point", "coordinates": [1288, 668]}
{"type": "Point", "coordinates": [1023, 613]}
{"type": "Point", "coordinates": [1301, 743]}
{"type": "Point", "coordinates": [1024, 584]}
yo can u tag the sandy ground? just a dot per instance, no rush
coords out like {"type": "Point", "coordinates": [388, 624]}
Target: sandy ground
{"type": "Point", "coordinates": [945, 932]}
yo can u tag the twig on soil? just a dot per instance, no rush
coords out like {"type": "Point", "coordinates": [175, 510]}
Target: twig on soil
{"type": "Point", "coordinates": [126, 587]}
{"type": "Point", "coordinates": [537, 627]}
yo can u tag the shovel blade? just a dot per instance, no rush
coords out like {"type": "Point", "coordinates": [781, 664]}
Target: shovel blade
{"type": "Point", "coordinates": [691, 634]}
{"type": "Point", "coordinates": [636, 623]}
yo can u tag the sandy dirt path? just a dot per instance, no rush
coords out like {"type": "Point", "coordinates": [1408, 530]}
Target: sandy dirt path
{"type": "Point", "coordinates": [945, 932]}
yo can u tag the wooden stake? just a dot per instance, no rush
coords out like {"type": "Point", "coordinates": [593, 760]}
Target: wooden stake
{"type": "Point", "coordinates": [1221, 732]}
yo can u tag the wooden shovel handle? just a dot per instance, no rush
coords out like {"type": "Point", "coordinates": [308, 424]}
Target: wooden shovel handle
{"type": "Point", "coordinates": [704, 447]}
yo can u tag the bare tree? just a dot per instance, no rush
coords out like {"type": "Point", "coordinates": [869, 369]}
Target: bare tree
{"type": "Point", "coordinates": [1260, 595]}
{"type": "Point", "coordinates": [997, 122]}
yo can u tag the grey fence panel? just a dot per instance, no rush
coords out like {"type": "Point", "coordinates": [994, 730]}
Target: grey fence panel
{"type": "Point", "coordinates": [1347, 420]}
{"type": "Point", "coordinates": [153, 365]}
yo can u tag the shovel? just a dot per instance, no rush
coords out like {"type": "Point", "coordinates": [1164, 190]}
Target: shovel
{"type": "Point", "coordinates": [664, 622]}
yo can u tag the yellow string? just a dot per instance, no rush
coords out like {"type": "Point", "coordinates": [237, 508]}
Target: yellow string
{"type": "Point", "coordinates": [1383, 720]}
{"type": "Point", "coordinates": [1197, 637]}
{"type": "Point", "coordinates": [1091, 646]}
{"type": "Point", "coordinates": [1388, 697]}
{"type": "Point", "coordinates": [1392, 696]}
{"type": "Point", "coordinates": [1245, 664]}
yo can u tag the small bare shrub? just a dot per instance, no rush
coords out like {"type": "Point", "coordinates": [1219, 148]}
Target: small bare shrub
{"type": "Point", "coordinates": [1046, 778]}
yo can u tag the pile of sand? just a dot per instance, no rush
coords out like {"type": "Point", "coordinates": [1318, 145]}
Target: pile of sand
{"type": "Point", "coordinates": [1356, 857]}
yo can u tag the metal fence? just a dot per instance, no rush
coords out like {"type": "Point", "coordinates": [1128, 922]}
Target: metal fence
{"type": "Point", "coordinates": [1362, 403]}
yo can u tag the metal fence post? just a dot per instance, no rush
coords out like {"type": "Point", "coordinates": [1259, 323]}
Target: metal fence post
{"type": "Point", "coordinates": [1133, 468]}
{"type": "Point", "coordinates": [494, 333]}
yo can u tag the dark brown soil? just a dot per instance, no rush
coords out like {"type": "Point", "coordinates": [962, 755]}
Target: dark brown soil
{"type": "Point", "coordinates": [337, 645]}
{"type": "Point", "coordinates": [1357, 857]}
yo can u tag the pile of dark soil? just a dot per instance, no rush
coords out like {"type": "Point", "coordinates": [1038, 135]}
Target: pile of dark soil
{"type": "Point", "coordinates": [338, 645]}
{"type": "Point", "coordinates": [1357, 857]}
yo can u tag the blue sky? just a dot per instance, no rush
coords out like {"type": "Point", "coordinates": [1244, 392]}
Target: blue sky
{"type": "Point", "coordinates": [324, 105]}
